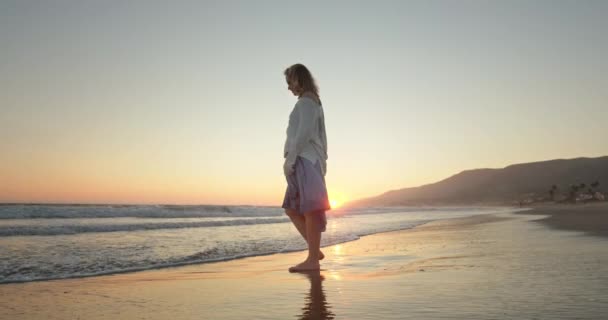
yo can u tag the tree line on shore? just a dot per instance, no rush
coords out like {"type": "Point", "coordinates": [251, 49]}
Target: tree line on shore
{"type": "Point", "coordinates": [577, 193]}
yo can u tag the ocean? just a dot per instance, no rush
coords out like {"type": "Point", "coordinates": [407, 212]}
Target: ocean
{"type": "Point", "coordinates": [43, 242]}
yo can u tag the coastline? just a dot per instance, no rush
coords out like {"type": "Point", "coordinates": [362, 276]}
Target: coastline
{"type": "Point", "coordinates": [185, 249]}
{"type": "Point", "coordinates": [591, 218]}
{"type": "Point", "coordinates": [478, 267]}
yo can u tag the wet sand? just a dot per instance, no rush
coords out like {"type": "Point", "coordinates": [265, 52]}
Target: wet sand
{"type": "Point", "coordinates": [590, 217]}
{"type": "Point", "coordinates": [485, 267]}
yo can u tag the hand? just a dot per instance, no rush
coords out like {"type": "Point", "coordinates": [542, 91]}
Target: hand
{"type": "Point", "coordinates": [288, 168]}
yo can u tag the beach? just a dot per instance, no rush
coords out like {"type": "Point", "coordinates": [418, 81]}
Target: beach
{"type": "Point", "coordinates": [491, 266]}
{"type": "Point", "coordinates": [591, 218]}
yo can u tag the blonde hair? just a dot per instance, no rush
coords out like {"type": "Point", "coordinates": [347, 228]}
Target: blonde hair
{"type": "Point", "coordinates": [300, 73]}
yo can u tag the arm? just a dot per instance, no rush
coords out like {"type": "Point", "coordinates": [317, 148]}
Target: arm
{"type": "Point", "coordinates": [305, 126]}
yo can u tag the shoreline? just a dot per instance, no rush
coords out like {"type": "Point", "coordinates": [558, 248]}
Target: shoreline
{"type": "Point", "coordinates": [591, 218]}
{"type": "Point", "coordinates": [435, 224]}
{"type": "Point", "coordinates": [561, 217]}
{"type": "Point", "coordinates": [477, 267]}
{"type": "Point", "coordinates": [228, 259]}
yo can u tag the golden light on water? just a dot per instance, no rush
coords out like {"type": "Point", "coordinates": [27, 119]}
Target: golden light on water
{"type": "Point", "coordinates": [338, 257]}
{"type": "Point", "coordinates": [337, 250]}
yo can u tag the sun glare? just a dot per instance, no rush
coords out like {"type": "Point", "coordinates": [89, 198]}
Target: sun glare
{"type": "Point", "coordinates": [336, 199]}
{"type": "Point", "coordinates": [334, 203]}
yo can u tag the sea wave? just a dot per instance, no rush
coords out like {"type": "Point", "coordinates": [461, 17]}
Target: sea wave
{"type": "Point", "coordinates": [46, 211]}
{"type": "Point", "coordinates": [30, 273]}
{"type": "Point", "coordinates": [45, 230]}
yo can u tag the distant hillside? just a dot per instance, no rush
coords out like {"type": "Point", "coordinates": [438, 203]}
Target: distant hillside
{"type": "Point", "coordinates": [499, 186]}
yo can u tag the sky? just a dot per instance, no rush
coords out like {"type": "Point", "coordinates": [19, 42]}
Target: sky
{"type": "Point", "coordinates": [185, 102]}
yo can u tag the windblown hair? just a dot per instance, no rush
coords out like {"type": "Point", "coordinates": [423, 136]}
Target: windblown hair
{"type": "Point", "coordinates": [300, 73]}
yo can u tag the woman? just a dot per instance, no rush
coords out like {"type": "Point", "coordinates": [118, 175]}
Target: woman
{"type": "Point", "coordinates": [305, 164]}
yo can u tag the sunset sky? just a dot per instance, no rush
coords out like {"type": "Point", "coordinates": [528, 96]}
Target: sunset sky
{"type": "Point", "coordinates": [185, 101]}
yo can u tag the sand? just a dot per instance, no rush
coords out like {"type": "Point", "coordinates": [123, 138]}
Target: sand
{"type": "Point", "coordinates": [503, 266]}
{"type": "Point", "coordinates": [591, 218]}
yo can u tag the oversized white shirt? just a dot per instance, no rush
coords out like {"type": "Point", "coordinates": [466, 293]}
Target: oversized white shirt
{"type": "Point", "coordinates": [306, 134]}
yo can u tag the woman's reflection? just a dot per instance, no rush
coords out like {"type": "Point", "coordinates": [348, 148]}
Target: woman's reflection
{"type": "Point", "coordinates": [315, 306]}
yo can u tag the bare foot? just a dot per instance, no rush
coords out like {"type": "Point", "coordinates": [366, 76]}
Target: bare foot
{"type": "Point", "coordinates": [305, 266]}
{"type": "Point", "coordinates": [321, 255]}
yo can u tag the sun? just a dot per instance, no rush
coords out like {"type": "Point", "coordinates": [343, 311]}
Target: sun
{"type": "Point", "coordinates": [334, 203]}
{"type": "Point", "coordinates": [336, 199]}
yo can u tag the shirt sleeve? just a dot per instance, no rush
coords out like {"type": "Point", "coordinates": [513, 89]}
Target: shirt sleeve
{"type": "Point", "coordinates": [305, 126]}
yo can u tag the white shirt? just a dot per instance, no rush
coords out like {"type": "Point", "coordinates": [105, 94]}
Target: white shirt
{"type": "Point", "coordinates": [306, 134]}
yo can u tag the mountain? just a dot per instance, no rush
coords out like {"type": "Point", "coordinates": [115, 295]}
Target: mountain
{"type": "Point", "coordinates": [508, 185]}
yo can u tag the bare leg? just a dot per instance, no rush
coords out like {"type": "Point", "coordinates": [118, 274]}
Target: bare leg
{"type": "Point", "coordinates": [313, 235]}
{"type": "Point", "coordinates": [300, 222]}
